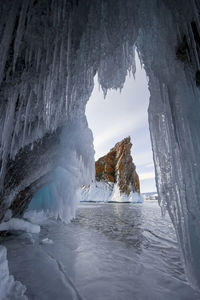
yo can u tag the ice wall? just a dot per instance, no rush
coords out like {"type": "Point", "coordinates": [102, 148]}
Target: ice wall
{"type": "Point", "coordinates": [172, 66]}
{"type": "Point", "coordinates": [50, 52]}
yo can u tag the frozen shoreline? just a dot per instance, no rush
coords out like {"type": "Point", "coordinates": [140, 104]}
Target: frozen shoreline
{"type": "Point", "coordinates": [111, 251]}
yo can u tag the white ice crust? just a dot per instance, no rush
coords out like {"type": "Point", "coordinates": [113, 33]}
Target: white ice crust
{"type": "Point", "coordinates": [100, 191]}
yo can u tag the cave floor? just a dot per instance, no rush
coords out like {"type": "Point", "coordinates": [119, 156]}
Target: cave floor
{"type": "Point", "coordinates": [110, 251]}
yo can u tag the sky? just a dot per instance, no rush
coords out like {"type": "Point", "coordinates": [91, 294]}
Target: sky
{"type": "Point", "coordinates": [120, 115]}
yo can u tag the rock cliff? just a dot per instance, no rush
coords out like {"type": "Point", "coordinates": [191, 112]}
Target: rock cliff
{"type": "Point", "coordinates": [117, 166]}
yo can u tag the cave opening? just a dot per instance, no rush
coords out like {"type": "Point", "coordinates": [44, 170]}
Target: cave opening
{"type": "Point", "coordinates": [120, 114]}
{"type": "Point", "coordinates": [50, 52]}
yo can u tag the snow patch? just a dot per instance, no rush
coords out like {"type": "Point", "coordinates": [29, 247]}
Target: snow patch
{"type": "Point", "coordinates": [46, 241]}
{"type": "Point", "coordinates": [19, 224]}
{"type": "Point", "coordinates": [117, 196]}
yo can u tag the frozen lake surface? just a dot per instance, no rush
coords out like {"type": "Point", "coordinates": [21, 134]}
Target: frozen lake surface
{"type": "Point", "coordinates": [109, 252]}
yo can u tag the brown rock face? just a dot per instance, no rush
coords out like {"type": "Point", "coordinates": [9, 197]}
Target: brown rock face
{"type": "Point", "coordinates": [117, 166]}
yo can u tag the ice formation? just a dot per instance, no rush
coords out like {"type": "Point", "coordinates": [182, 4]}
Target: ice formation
{"type": "Point", "coordinates": [60, 196]}
{"type": "Point", "coordinates": [100, 191]}
{"type": "Point", "coordinates": [50, 52]}
{"type": "Point", "coordinates": [9, 288]}
{"type": "Point", "coordinates": [19, 224]}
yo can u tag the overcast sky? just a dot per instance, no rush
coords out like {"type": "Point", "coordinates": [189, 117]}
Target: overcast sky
{"type": "Point", "coordinates": [120, 115]}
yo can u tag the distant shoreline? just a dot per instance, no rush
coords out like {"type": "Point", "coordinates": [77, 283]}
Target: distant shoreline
{"type": "Point", "coordinates": [124, 202]}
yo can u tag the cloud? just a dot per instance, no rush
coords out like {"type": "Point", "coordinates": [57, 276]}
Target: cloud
{"type": "Point", "coordinates": [150, 165]}
{"type": "Point", "coordinates": [118, 129]}
{"type": "Point", "coordinates": [147, 175]}
{"type": "Point", "coordinates": [142, 158]}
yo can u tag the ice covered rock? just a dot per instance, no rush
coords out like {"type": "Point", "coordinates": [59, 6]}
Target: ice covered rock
{"type": "Point", "coordinates": [117, 166]}
{"type": "Point", "coordinates": [116, 177]}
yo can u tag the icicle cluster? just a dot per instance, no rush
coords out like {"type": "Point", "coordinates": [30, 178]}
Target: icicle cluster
{"type": "Point", "coordinates": [172, 66]}
{"type": "Point", "coordinates": [48, 64]}
{"type": "Point", "coordinates": [50, 52]}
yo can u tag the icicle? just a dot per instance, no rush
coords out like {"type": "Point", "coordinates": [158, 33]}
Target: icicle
{"type": "Point", "coordinates": [7, 134]}
{"type": "Point", "coordinates": [68, 62]}
{"type": "Point", "coordinates": [38, 59]}
{"type": "Point", "coordinates": [20, 31]}
{"type": "Point", "coordinates": [17, 129]}
{"type": "Point", "coordinates": [193, 44]}
{"type": "Point", "coordinates": [7, 36]}
{"type": "Point", "coordinates": [26, 117]}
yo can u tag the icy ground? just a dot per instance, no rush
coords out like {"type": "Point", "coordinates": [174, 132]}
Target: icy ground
{"type": "Point", "coordinates": [110, 251]}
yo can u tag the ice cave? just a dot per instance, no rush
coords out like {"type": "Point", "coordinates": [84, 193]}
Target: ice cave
{"type": "Point", "coordinates": [50, 52]}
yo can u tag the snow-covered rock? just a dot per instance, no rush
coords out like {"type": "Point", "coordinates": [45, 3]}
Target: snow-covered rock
{"type": "Point", "coordinates": [116, 177]}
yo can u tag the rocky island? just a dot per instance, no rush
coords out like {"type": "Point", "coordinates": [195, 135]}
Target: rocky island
{"type": "Point", "coordinates": [116, 177]}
